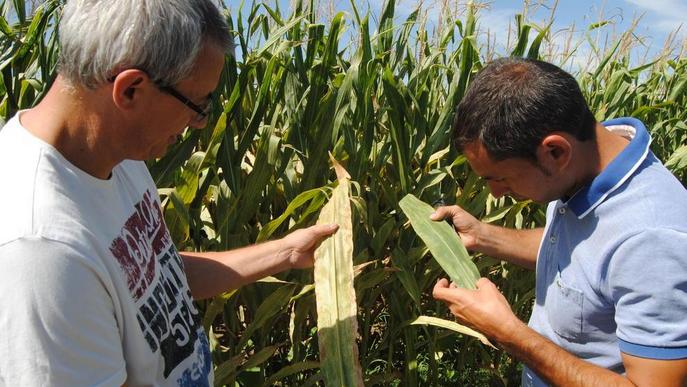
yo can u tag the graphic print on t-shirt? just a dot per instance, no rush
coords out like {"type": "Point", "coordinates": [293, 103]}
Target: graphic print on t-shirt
{"type": "Point", "coordinates": [154, 273]}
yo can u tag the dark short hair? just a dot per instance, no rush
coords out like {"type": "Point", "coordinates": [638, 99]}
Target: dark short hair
{"type": "Point", "coordinates": [513, 103]}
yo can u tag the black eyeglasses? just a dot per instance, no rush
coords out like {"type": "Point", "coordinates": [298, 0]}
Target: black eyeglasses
{"type": "Point", "coordinates": [202, 111]}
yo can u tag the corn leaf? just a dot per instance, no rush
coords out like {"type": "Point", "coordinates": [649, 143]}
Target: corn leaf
{"type": "Point", "coordinates": [678, 160]}
{"type": "Point", "coordinates": [452, 325]}
{"type": "Point", "coordinates": [290, 370]}
{"type": "Point", "coordinates": [268, 308]}
{"type": "Point", "coordinates": [336, 305]}
{"type": "Point", "coordinates": [216, 306]}
{"type": "Point", "coordinates": [442, 242]}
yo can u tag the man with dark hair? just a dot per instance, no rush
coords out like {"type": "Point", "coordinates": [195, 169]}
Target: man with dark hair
{"type": "Point", "coordinates": [92, 289]}
{"type": "Point", "coordinates": [611, 268]}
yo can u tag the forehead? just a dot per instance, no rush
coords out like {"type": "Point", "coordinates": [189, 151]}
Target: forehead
{"type": "Point", "coordinates": [479, 159]}
{"type": "Point", "coordinates": [207, 68]}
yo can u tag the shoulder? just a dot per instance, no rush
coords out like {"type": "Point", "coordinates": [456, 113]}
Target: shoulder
{"type": "Point", "coordinates": [20, 156]}
{"type": "Point", "coordinates": [658, 250]}
{"type": "Point", "coordinates": [52, 198]}
{"type": "Point", "coordinates": [652, 199]}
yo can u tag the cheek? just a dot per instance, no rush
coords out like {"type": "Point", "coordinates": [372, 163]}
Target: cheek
{"type": "Point", "coordinates": [168, 117]}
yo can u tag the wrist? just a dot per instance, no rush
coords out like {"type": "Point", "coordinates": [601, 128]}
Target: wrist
{"type": "Point", "coordinates": [510, 332]}
{"type": "Point", "coordinates": [282, 257]}
{"type": "Point", "coordinates": [481, 236]}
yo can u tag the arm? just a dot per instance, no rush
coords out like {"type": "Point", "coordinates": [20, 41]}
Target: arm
{"type": "Point", "coordinates": [212, 273]}
{"type": "Point", "coordinates": [516, 246]}
{"type": "Point", "coordinates": [487, 310]}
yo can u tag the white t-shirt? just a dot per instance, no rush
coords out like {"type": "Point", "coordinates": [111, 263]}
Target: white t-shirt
{"type": "Point", "coordinates": [92, 289]}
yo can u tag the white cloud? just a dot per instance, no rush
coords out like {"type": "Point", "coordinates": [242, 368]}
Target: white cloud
{"type": "Point", "coordinates": [667, 15]}
{"type": "Point", "coordinates": [564, 46]}
{"type": "Point", "coordinates": [494, 24]}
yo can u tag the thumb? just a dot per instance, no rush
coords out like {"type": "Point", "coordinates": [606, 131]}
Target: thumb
{"type": "Point", "coordinates": [440, 213]}
{"type": "Point", "coordinates": [443, 292]}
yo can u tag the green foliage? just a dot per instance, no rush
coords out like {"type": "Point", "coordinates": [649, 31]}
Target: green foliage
{"type": "Point", "coordinates": [441, 241]}
{"type": "Point", "coordinates": [28, 58]}
{"type": "Point", "coordinates": [382, 105]}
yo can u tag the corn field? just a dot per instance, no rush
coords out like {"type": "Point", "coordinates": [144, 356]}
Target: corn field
{"type": "Point", "coordinates": [381, 102]}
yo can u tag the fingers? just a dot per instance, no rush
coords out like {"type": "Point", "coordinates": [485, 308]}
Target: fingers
{"type": "Point", "coordinates": [444, 292]}
{"type": "Point", "coordinates": [443, 282]}
{"type": "Point", "coordinates": [484, 282]}
{"type": "Point", "coordinates": [443, 212]}
{"type": "Point", "coordinates": [439, 288]}
{"type": "Point", "coordinates": [323, 230]}
{"type": "Point", "coordinates": [451, 213]}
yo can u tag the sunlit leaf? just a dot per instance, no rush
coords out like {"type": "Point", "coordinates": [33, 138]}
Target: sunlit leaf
{"type": "Point", "coordinates": [442, 241]}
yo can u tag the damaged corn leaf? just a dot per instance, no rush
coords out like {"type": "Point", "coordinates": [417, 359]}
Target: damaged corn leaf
{"type": "Point", "coordinates": [442, 241]}
{"type": "Point", "coordinates": [336, 304]}
{"type": "Point", "coordinates": [452, 325]}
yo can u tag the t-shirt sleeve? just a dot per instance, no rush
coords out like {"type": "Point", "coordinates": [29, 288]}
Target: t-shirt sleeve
{"type": "Point", "coordinates": [648, 279]}
{"type": "Point", "coordinates": [58, 320]}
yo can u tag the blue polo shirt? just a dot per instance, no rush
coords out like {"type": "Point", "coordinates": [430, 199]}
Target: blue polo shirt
{"type": "Point", "coordinates": [612, 265]}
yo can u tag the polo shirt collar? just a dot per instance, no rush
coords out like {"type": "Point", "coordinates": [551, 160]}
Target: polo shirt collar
{"type": "Point", "coordinates": [619, 169]}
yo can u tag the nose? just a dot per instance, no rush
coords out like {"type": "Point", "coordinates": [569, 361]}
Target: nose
{"type": "Point", "coordinates": [498, 189]}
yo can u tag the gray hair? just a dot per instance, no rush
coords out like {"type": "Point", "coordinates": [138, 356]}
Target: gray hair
{"type": "Point", "coordinates": [98, 38]}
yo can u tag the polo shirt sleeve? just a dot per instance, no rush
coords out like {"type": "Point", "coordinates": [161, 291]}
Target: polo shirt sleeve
{"type": "Point", "coordinates": [648, 282]}
{"type": "Point", "coordinates": [57, 318]}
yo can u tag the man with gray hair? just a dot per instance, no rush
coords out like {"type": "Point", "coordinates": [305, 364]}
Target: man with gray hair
{"type": "Point", "coordinates": [92, 289]}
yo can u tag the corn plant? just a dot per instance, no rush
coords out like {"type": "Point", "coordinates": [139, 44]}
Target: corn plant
{"type": "Point", "coordinates": [29, 53]}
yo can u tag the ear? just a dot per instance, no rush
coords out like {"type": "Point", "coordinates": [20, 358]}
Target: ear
{"type": "Point", "coordinates": [127, 87]}
{"type": "Point", "coordinates": [555, 152]}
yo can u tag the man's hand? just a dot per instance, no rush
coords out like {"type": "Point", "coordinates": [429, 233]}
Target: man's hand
{"type": "Point", "coordinates": [516, 246]}
{"type": "Point", "coordinates": [485, 309]}
{"type": "Point", "coordinates": [299, 247]}
{"type": "Point", "coordinates": [466, 225]}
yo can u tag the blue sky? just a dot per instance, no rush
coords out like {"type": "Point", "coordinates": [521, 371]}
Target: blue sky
{"type": "Point", "coordinates": [655, 20]}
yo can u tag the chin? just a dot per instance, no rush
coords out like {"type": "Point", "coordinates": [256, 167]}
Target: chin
{"type": "Point", "coordinates": [158, 154]}
{"type": "Point", "coordinates": [546, 199]}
